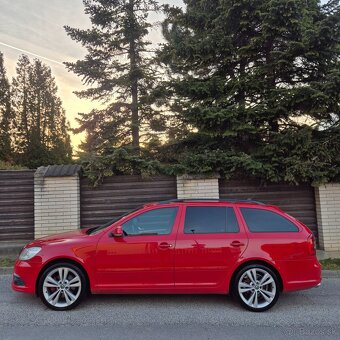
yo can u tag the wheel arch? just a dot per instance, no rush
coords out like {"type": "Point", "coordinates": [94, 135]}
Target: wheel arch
{"type": "Point", "coordinates": [255, 261]}
{"type": "Point", "coordinates": [62, 260]}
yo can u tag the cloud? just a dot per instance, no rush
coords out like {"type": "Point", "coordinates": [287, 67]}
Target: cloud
{"type": "Point", "coordinates": [31, 53]}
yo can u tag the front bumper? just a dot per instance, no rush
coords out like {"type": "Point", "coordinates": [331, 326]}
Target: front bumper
{"type": "Point", "coordinates": [25, 276]}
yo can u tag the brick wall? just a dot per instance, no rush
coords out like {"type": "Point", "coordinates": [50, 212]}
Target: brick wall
{"type": "Point", "coordinates": [56, 204]}
{"type": "Point", "coordinates": [194, 187]}
{"type": "Point", "coordinates": [327, 200]}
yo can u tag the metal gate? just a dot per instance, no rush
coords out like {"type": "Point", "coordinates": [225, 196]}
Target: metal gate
{"type": "Point", "coordinates": [119, 194]}
{"type": "Point", "coordinates": [298, 201]}
{"type": "Point", "coordinates": [16, 205]}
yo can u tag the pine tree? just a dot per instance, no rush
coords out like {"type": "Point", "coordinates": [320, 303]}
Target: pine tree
{"type": "Point", "coordinates": [41, 130]}
{"type": "Point", "coordinates": [258, 82]}
{"type": "Point", "coordinates": [119, 74]}
{"type": "Point", "coordinates": [22, 94]}
{"type": "Point", "coordinates": [5, 114]}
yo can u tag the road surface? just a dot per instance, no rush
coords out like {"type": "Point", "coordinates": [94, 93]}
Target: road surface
{"type": "Point", "coordinates": [307, 314]}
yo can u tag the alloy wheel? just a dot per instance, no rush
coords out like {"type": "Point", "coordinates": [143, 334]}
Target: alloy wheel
{"type": "Point", "coordinates": [62, 287]}
{"type": "Point", "coordinates": [257, 287]}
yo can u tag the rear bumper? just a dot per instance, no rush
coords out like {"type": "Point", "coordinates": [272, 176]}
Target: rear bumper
{"type": "Point", "coordinates": [301, 274]}
{"type": "Point", "coordinates": [24, 277]}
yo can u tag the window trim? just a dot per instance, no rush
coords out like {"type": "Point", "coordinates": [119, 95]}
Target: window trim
{"type": "Point", "coordinates": [212, 206]}
{"type": "Point", "coordinates": [298, 229]}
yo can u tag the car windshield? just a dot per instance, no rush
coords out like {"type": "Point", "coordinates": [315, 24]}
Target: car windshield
{"type": "Point", "coordinates": [95, 230]}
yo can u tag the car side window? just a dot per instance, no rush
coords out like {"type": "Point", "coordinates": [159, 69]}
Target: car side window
{"type": "Point", "coordinates": [153, 222]}
{"type": "Point", "coordinates": [262, 221]}
{"type": "Point", "coordinates": [210, 220]}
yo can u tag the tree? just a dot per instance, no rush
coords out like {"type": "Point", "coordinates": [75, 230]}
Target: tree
{"type": "Point", "coordinates": [40, 126]}
{"type": "Point", "coordinates": [5, 114]}
{"type": "Point", "coordinates": [258, 82]}
{"type": "Point", "coordinates": [119, 74]}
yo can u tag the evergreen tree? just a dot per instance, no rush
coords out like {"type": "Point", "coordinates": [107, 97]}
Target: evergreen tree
{"type": "Point", "coordinates": [5, 114]}
{"type": "Point", "coordinates": [258, 82]}
{"type": "Point", "coordinates": [119, 74]}
{"type": "Point", "coordinates": [41, 130]}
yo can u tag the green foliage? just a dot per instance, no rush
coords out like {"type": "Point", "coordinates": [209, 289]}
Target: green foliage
{"type": "Point", "coordinates": [40, 129]}
{"type": "Point", "coordinates": [6, 262]}
{"type": "Point", "coordinates": [258, 83]}
{"type": "Point", "coordinates": [119, 161]}
{"type": "Point", "coordinates": [330, 264]}
{"type": "Point", "coordinates": [10, 166]}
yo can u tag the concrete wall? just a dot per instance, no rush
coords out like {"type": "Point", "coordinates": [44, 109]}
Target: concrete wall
{"type": "Point", "coordinates": [56, 204]}
{"type": "Point", "coordinates": [327, 200]}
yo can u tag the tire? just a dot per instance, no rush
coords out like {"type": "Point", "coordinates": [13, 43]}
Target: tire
{"type": "Point", "coordinates": [256, 287]}
{"type": "Point", "coordinates": [62, 286]}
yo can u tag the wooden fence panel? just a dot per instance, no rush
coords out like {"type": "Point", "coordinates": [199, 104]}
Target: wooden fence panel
{"type": "Point", "coordinates": [17, 205]}
{"type": "Point", "coordinates": [119, 194]}
{"type": "Point", "coordinates": [298, 201]}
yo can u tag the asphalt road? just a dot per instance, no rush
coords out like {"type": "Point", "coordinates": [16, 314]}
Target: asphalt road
{"type": "Point", "coordinates": [307, 314]}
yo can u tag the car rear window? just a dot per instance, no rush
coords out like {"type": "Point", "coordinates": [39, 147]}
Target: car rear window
{"type": "Point", "coordinates": [210, 220]}
{"type": "Point", "coordinates": [262, 221]}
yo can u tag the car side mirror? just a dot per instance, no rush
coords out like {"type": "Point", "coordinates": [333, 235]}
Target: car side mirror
{"type": "Point", "coordinates": [118, 231]}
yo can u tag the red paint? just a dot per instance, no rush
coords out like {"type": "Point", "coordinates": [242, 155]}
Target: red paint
{"type": "Point", "coordinates": [177, 262]}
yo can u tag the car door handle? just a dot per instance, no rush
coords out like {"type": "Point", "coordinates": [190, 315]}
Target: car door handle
{"type": "Point", "coordinates": [236, 244]}
{"type": "Point", "coordinates": [164, 245]}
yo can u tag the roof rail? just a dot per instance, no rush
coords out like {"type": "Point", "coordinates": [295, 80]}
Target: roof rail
{"type": "Point", "coordinates": [232, 200]}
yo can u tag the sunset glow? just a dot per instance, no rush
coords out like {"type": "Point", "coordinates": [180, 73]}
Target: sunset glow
{"type": "Point", "coordinates": [35, 28]}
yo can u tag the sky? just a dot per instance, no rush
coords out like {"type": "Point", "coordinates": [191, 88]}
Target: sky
{"type": "Point", "coordinates": [35, 28]}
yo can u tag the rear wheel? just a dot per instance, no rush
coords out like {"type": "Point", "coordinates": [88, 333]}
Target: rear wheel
{"type": "Point", "coordinates": [62, 286]}
{"type": "Point", "coordinates": [256, 287]}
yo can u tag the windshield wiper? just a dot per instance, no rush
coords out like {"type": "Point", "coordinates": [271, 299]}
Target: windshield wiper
{"type": "Point", "coordinates": [90, 230]}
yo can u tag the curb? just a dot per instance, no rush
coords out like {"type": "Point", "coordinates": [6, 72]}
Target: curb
{"type": "Point", "coordinates": [329, 274]}
{"type": "Point", "coordinates": [326, 274]}
{"type": "Point", "coordinates": [6, 270]}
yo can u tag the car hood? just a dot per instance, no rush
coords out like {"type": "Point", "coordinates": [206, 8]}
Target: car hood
{"type": "Point", "coordinates": [61, 238]}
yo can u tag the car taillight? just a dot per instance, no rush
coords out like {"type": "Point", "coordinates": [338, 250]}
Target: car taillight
{"type": "Point", "coordinates": [311, 245]}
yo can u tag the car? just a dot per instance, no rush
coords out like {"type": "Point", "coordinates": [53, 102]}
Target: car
{"type": "Point", "coordinates": [245, 248]}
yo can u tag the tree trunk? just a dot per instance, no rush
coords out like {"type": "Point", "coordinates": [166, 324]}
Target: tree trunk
{"type": "Point", "coordinates": [134, 85]}
{"type": "Point", "coordinates": [135, 115]}
{"type": "Point", "coordinates": [273, 122]}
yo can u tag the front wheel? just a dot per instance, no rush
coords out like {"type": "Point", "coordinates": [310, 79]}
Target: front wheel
{"type": "Point", "coordinates": [62, 286]}
{"type": "Point", "coordinates": [256, 287]}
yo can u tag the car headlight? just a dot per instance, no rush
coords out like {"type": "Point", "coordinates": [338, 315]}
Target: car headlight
{"type": "Point", "coordinates": [28, 253]}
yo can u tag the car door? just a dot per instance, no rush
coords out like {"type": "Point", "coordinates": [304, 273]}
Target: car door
{"type": "Point", "coordinates": [144, 257]}
{"type": "Point", "coordinates": [210, 240]}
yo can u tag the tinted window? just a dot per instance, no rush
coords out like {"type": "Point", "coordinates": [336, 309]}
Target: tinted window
{"type": "Point", "coordinates": [209, 220]}
{"type": "Point", "coordinates": [153, 222]}
{"type": "Point", "coordinates": [259, 220]}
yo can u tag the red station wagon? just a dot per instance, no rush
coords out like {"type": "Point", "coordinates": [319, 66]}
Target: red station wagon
{"type": "Point", "coordinates": [248, 249]}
